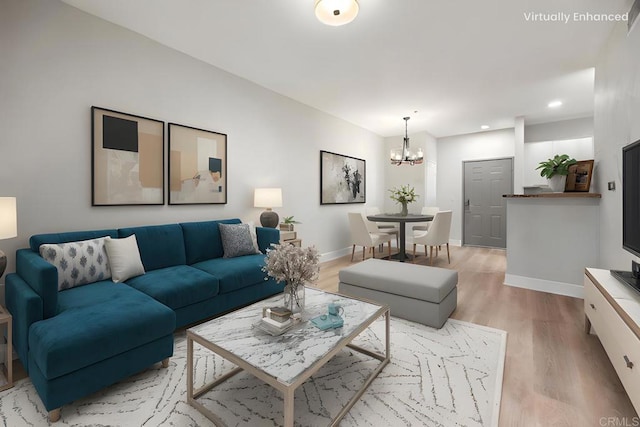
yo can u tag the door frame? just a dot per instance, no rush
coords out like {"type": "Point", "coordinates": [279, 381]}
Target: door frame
{"type": "Point", "coordinates": [512, 158]}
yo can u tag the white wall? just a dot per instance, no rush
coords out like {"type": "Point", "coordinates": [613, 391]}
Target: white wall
{"type": "Point", "coordinates": [616, 124]}
{"type": "Point", "coordinates": [416, 176]}
{"type": "Point", "coordinates": [58, 61]}
{"type": "Point", "coordinates": [452, 151]}
{"type": "Point", "coordinates": [564, 129]}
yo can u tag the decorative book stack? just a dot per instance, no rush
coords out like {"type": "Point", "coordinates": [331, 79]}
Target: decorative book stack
{"type": "Point", "coordinates": [276, 320]}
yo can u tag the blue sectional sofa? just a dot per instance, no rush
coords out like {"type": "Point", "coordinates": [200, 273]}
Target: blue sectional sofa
{"type": "Point", "coordinates": [79, 340]}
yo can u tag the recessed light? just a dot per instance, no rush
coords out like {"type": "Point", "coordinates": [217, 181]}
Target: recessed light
{"type": "Point", "coordinates": [484, 127]}
{"type": "Point", "coordinates": [554, 104]}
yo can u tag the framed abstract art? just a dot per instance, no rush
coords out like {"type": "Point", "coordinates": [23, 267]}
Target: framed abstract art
{"type": "Point", "coordinates": [342, 179]}
{"type": "Point", "coordinates": [127, 159]}
{"type": "Point", "coordinates": [197, 166]}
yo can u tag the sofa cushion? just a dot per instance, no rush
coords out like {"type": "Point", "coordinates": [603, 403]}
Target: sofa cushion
{"type": "Point", "coordinates": [237, 240]}
{"type": "Point", "coordinates": [202, 239]}
{"type": "Point", "coordinates": [38, 240]}
{"type": "Point", "coordinates": [124, 256]}
{"type": "Point", "coordinates": [96, 322]}
{"type": "Point", "coordinates": [160, 245]}
{"type": "Point", "coordinates": [177, 286]}
{"type": "Point", "coordinates": [235, 273]}
{"type": "Point", "coordinates": [78, 263]}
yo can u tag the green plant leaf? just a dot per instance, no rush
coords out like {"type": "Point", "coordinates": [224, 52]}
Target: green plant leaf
{"type": "Point", "coordinates": [558, 165]}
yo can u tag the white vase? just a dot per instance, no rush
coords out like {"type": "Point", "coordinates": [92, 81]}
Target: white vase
{"type": "Point", "coordinates": [556, 183]}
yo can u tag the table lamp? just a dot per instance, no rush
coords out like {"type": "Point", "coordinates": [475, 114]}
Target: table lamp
{"type": "Point", "coordinates": [268, 198]}
{"type": "Point", "coordinates": [8, 225]}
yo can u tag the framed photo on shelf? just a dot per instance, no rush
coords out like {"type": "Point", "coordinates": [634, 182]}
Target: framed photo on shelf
{"type": "Point", "coordinates": [127, 159]}
{"type": "Point", "coordinates": [342, 179]}
{"type": "Point", "coordinates": [579, 177]}
{"type": "Point", "coordinates": [197, 166]}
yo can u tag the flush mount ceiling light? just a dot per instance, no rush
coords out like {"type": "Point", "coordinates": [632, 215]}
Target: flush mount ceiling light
{"type": "Point", "coordinates": [404, 156]}
{"type": "Point", "coordinates": [554, 104]}
{"type": "Point", "coordinates": [336, 12]}
{"type": "Point", "coordinates": [484, 127]}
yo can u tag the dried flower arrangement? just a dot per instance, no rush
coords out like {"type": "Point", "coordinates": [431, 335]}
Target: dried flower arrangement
{"type": "Point", "coordinates": [295, 266]}
{"type": "Point", "coordinates": [292, 264]}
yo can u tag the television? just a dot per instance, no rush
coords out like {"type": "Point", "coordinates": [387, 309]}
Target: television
{"type": "Point", "coordinates": [631, 212]}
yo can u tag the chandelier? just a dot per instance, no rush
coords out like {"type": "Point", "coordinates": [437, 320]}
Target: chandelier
{"type": "Point", "coordinates": [336, 12]}
{"type": "Point", "coordinates": [404, 155]}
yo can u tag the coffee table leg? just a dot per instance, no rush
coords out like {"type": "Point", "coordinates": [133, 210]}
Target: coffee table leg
{"type": "Point", "coordinates": [189, 369]}
{"type": "Point", "coordinates": [289, 395]}
{"type": "Point", "coordinates": [387, 316]}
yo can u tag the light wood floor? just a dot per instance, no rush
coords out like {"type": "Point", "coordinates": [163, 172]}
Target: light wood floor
{"type": "Point", "coordinates": [555, 374]}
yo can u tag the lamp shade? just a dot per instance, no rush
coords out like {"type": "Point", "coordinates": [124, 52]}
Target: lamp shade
{"type": "Point", "coordinates": [267, 198]}
{"type": "Point", "coordinates": [336, 12]}
{"type": "Point", "coordinates": [8, 218]}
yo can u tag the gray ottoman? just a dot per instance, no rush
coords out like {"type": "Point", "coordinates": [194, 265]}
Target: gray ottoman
{"type": "Point", "coordinates": [426, 295]}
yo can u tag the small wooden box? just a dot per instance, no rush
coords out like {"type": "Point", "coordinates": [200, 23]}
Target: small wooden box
{"type": "Point", "coordinates": [279, 314]}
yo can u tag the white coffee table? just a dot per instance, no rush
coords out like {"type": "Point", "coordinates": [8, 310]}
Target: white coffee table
{"type": "Point", "coordinates": [305, 348]}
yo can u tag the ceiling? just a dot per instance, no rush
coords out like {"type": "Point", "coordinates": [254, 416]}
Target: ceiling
{"type": "Point", "coordinates": [459, 63]}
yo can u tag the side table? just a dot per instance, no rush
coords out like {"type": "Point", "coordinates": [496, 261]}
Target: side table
{"type": "Point", "coordinates": [290, 237]}
{"type": "Point", "coordinates": [6, 368]}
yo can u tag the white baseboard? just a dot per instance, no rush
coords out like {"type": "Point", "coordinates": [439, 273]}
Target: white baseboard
{"type": "Point", "coordinates": [454, 242]}
{"type": "Point", "coordinates": [330, 256]}
{"type": "Point", "coordinates": [549, 286]}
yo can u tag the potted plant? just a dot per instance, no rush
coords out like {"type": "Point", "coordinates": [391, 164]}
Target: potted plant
{"type": "Point", "coordinates": [287, 223]}
{"type": "Point", "coordinates": [556, 171]}
{"type": "Point", "coordinates": [404, 195]}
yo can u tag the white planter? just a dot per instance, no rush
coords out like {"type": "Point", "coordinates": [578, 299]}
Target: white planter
{"type": "Point", "coordinates": [556, 183]}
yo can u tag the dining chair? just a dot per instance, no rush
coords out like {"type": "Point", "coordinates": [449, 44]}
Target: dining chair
{"type": "Point", "coordinates": [381, 227]}
{"type": "Point", "coordinates": [436, 235]}
{"type": "Point", "coordinates": [360, 235]}
{"type": "Point", "coordinates": [426, 210]}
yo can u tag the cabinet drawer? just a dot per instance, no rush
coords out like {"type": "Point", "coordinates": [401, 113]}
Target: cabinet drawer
{"type": "Point", "coordinates": [623, 347]}
{"type": "Point", "coordinates": [619, 341]}
{"type": "Point", "coordinates": [594, 303]}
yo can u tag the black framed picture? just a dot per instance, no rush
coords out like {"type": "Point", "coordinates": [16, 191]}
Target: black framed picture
{"type": "Point", "coordinates": [342, 179]}
{"type": "Point", "coordinates": [127, 159]}
{"type": "Point", "coordinates": [197, 166]}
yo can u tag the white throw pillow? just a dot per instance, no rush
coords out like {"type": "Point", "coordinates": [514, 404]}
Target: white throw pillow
{"type": "Point", "coordinates": [124, 258]}
{"type": "Point", "coordinates": [78, 263]}
{"type": "Point", "coordinates": [254, 235]}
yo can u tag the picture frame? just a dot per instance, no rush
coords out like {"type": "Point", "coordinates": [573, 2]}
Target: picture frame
{"type": "Point", "coordinates": [127, 159]}
{"type": "Point", "coordinates": [579, 177]}
{"type": "Point", "coordinates": [197, 166]}
{"type": "Point", "coordinates": [342, 179]}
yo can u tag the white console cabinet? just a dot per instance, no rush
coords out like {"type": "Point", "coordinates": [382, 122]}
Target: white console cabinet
{"type": "Point", "coordinates": [612, 309]}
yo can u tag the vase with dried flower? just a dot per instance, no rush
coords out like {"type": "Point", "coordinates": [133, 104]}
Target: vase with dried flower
{"type": "Point", "coordinates": [295, 266]}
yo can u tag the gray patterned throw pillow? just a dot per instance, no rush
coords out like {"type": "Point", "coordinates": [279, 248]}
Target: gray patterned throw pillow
{"type": "Point", "coordinates": [78, 263]}
{"type": "Point", "coordinates": [236, 240]}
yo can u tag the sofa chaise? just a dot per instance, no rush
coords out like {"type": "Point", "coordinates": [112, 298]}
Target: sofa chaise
{"type": "Point", "coordinates": [73, 342]}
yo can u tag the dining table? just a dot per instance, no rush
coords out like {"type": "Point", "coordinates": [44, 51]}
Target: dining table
{"type": "Point", "coordinates": [402, 220]}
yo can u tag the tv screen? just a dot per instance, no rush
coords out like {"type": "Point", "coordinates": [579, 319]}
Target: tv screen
{"type": "Point", "coordinates": [631, 198]}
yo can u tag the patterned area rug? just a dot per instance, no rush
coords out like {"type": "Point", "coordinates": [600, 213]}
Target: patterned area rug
{"type": "Point", "coordinates": [446, 377]}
